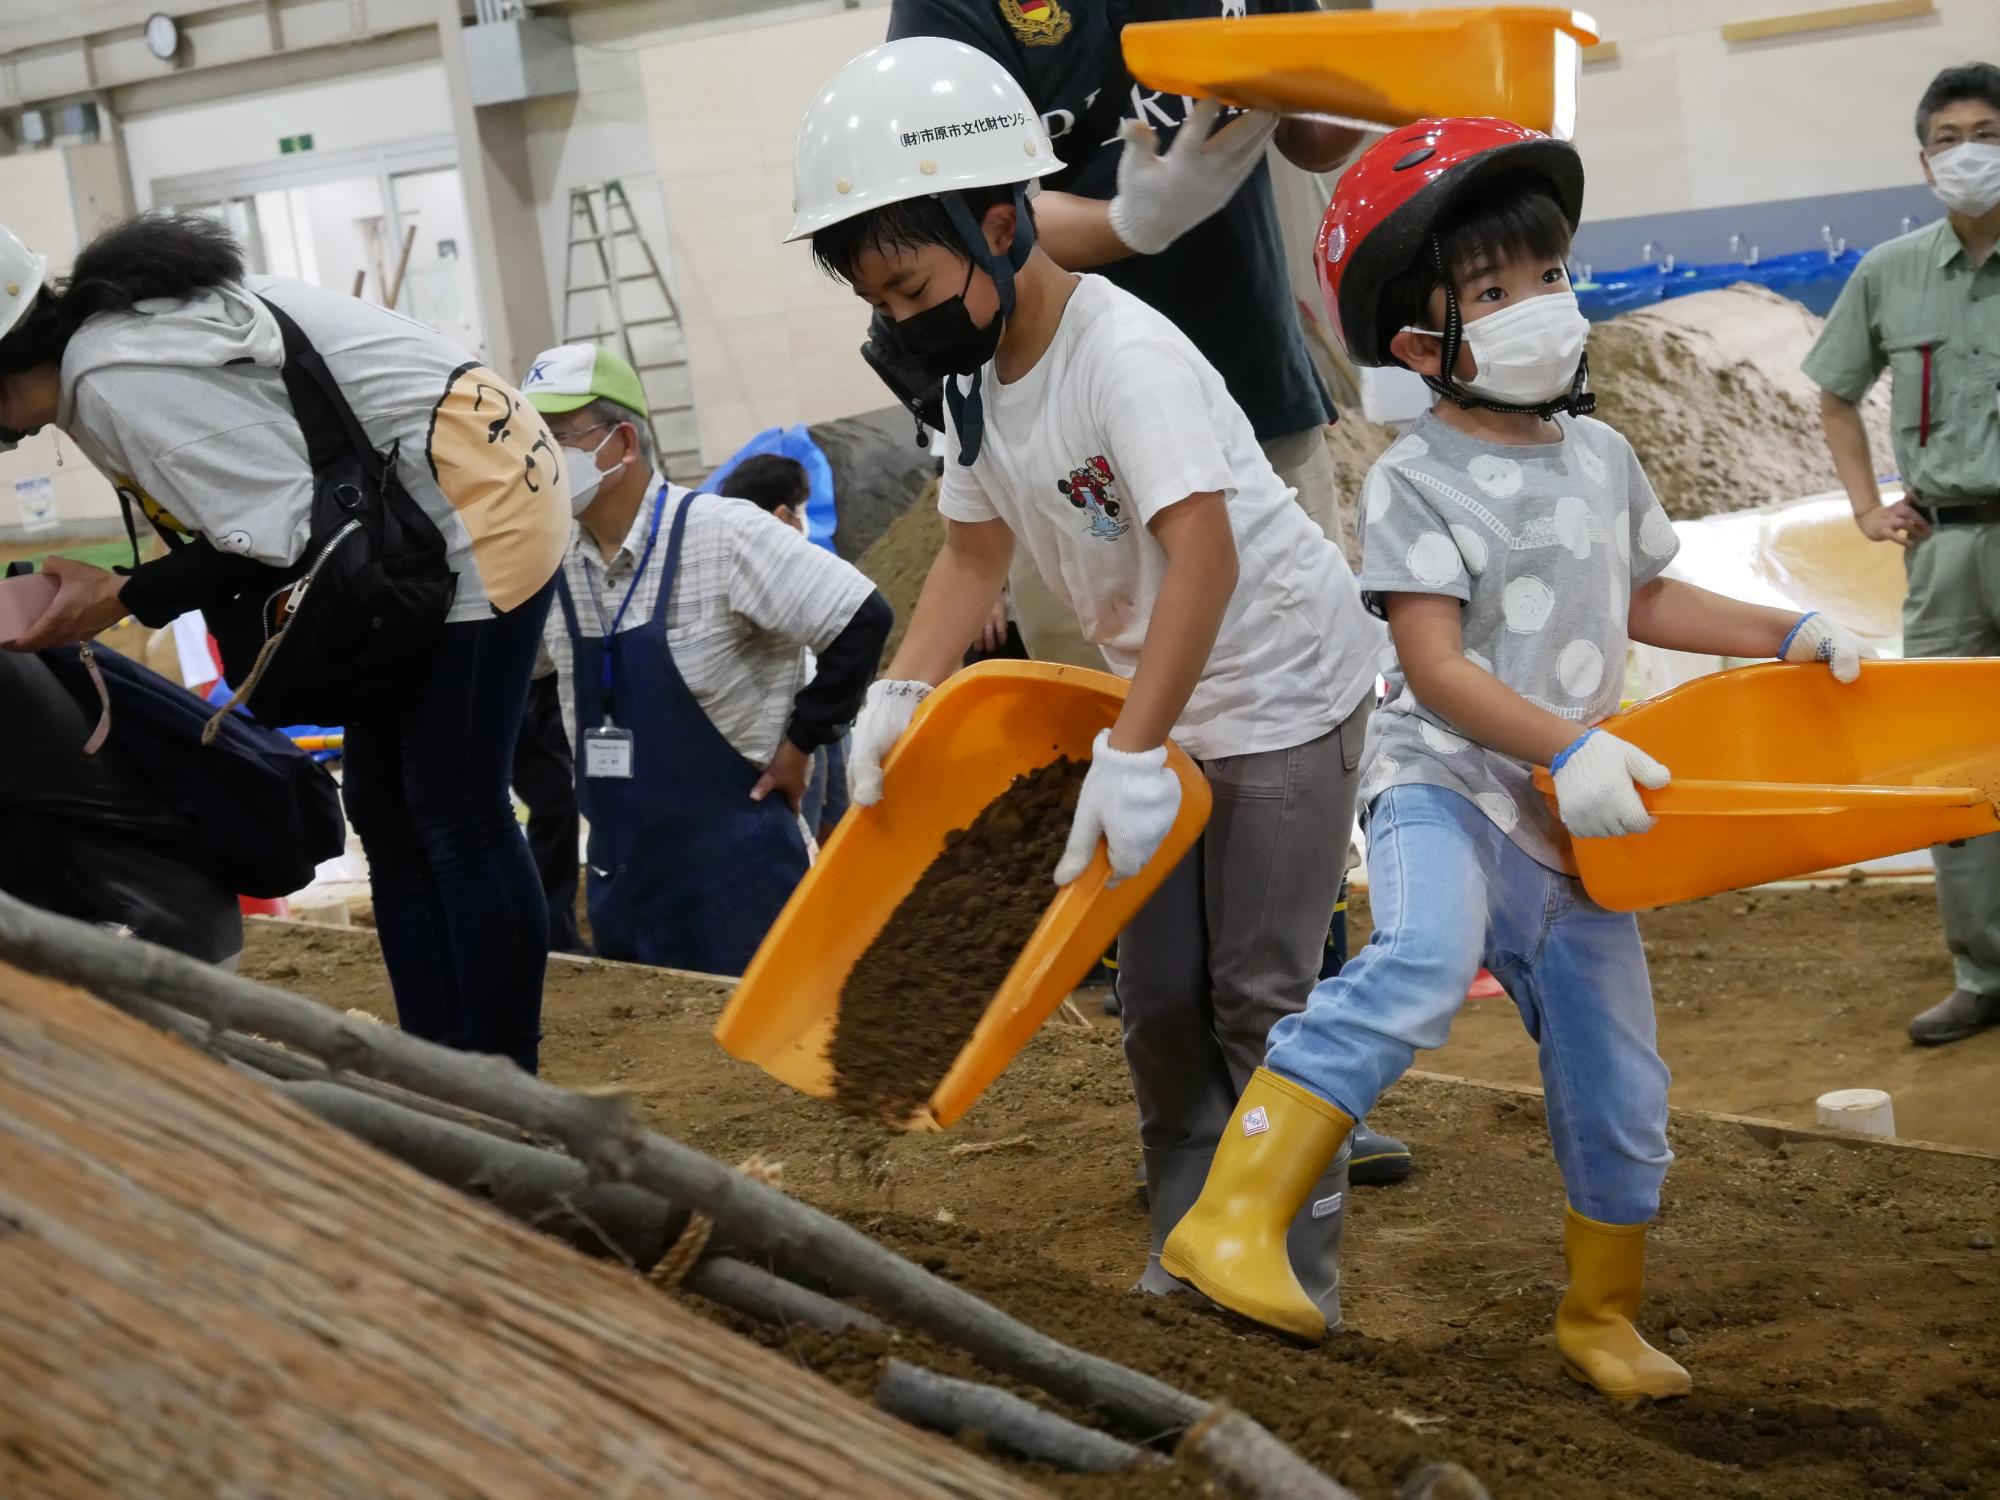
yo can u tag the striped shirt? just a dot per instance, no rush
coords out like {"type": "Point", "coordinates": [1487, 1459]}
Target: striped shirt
{"type": "Point", "coordinates": [753, 597]}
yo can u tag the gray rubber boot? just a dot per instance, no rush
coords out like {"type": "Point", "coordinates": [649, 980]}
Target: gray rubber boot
{"type": "Point", "coordinates": [1959, 1015]}
{"type": "Point", "coordinates": [1173, 1181]}
{"type": "Point", "coordinates": [1314, 1238]}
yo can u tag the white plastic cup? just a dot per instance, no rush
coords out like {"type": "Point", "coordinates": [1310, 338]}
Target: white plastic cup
{"type": "Point", "coordinates": [1858, 1112]}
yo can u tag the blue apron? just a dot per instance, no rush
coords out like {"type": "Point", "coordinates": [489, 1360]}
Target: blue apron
{"type": "Point", "coordinates": [685, 871]}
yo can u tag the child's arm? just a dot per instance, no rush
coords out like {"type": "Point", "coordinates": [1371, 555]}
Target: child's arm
{"type": "Point", "coordinates": [958, 595]}
{"type": "Point", "coordinates": [1681, 617]}
{"type": "Point", "coordinates": [1194, 594]}
{"type": "Point", "coordinates": [1597, 775]}
{"type": "Point", "coordinates": [1131, 796]}
{"type": "Point", "coordinates": [1431, 650]}
{"type": "Point", "coordinates": [958, 591]}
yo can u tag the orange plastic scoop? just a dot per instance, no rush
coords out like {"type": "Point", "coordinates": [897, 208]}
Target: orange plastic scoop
{"type": "Point", "coordinates": [1780, 771]}
{"type": "Point", "coordinates": [969, 740]}
{"type": "Point", "coordinates": [1386, 67]}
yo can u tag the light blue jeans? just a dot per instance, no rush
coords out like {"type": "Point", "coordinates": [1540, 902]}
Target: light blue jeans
{"type": "Point", "coordinates": [1450, 893]}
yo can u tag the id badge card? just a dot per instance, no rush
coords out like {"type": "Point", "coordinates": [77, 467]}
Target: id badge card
{"type": "Point", "coordinates": [607, 753]}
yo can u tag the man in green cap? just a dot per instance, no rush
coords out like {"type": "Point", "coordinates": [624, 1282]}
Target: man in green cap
{"type": "Point", "coordinates": [1927, 308]}
{"type": "Point", "coordinates": [684, 636]}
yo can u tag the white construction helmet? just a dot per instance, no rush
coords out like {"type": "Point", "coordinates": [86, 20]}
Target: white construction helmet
{"type": "Point", "coordinates": [908, 119]}
{"type": "Point", "coordinates": [21, 275]}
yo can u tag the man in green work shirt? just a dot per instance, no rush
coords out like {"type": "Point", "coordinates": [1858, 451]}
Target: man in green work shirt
{"type": "Point", "coordinates": [1927, 306]}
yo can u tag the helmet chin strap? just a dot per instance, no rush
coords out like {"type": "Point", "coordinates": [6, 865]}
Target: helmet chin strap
{"type": "Point", "coordinates": [968, 411]}
{"type": "Point", "coordinates": [1577, 401]}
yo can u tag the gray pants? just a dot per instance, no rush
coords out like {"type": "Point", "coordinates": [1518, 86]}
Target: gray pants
{"type": "Point", "coordinates": [1953, 609]}
{"type": "Point", "coordinates": [1048, 626]}
{"type": "Point", "coordinates": [1230, 942]}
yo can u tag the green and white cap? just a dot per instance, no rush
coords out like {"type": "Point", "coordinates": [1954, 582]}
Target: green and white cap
{"type": "Point", "coordinates": [573, 375]}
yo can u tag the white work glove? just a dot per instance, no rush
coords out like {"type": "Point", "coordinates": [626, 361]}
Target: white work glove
{"type": "Point", "coordinates": [1161, 196]}
{"type": "Point", "coordinates": [885, 714]}
{"type": "Point", "coordinates": [1816, 638]}
{"type": "Point", "coordinates": [1129, 799]}
{"type": "Point", "coordinates": [1597, 785]}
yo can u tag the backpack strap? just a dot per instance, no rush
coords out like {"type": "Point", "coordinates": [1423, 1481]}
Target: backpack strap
{"type": "Point", "coordinates": [328, 422]}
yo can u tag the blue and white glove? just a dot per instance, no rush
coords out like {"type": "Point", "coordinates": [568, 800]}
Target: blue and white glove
{"type": "Point", "coordinates": [885, 714]}
{"type": "Point", "coordinates": [1129, 799]}
{"type": "Point", "coordinates": [1598, 777]}
{"type": "Point", "coordinates": [1816, 638]}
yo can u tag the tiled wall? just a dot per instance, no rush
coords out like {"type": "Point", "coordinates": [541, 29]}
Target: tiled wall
{"type": "Point", "coordinates": [770, 340]}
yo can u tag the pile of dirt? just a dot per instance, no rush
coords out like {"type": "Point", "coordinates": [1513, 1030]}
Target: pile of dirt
{"type": "Point", "coordinates": [1354, 443]}
{"type": "Point", "coordinates": [916, 994]}
{"type": "Point", "coordinates": [1839, 1309]}
{"type": "Point", "coordinates": [901, 558]}
{"type": "Point", "coordinates": [1709, 392]}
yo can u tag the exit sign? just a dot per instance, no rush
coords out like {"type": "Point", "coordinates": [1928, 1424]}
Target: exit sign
{"type": "Point", "coordinates": [291, 143]}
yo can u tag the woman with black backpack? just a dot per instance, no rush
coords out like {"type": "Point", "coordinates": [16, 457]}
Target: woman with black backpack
{"type": "Point", "coordinates": [370, 521]}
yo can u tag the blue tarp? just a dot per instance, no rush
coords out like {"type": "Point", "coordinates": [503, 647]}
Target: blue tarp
{"type": "Point", "coordinates": [1813, 277]}
{"type": "Point", "coordinates": [794, 442]}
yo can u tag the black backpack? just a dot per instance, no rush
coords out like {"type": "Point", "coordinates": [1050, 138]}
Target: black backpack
{"type": "Point", "coordinates": [340, 632]}
{"type": "Point", "coordinates": [261, 812]}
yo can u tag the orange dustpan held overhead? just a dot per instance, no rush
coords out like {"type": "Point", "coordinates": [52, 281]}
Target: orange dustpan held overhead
{"type": "Point", "coordinates": [1382, 67]}
{"type": "Point", "coordinates": [1780, 771]}
{"type": "Point", "coordinates": [968, 742]}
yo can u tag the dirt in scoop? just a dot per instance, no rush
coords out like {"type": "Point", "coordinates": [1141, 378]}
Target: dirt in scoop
{"type": "Point", "coordinates": [917, 993]}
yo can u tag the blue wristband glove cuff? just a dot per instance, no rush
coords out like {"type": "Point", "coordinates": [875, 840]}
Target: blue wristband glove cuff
{"type": "Point", "coordinates": [1793, 634]}
{"type": "Point", "coordinates": [1562, 758]}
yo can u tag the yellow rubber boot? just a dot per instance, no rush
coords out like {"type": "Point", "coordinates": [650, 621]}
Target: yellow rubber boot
{"type": "Point", "coordinates": [1231, 1244]}
{"type": "Point", "coordinates": [1607, 1275]}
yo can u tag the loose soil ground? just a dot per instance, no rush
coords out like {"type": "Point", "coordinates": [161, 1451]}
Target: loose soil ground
{"type": "Point", "coordinates": [1836, 1309]}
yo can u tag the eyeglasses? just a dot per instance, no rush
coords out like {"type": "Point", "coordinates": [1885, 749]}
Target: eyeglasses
{"type": "Point", "coordinates": [565, 438]}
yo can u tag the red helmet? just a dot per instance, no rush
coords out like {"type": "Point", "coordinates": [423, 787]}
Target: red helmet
{"type": "Point", "coordinates": [1386, 205]}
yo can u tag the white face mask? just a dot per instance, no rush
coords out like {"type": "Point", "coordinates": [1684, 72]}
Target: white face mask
{"type": "Point", "coordinates": [580, 464]}
{"type": "Point", "coordinates": [1967, 178]}
{"type": "Point", "coordinates": [1527, 353]}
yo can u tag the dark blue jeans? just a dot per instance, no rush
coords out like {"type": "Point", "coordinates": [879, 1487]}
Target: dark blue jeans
{"type": "Point", "coordinates": [458, 904]}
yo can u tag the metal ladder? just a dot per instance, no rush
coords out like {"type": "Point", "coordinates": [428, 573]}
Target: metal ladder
{"type": "Point", "coordinates": [600, 215]}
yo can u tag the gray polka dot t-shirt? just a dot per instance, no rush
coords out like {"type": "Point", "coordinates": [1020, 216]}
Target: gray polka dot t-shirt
{"type": "Point", "coordinates": [1544, 543]}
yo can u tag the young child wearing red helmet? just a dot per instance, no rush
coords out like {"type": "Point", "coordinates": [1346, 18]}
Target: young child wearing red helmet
{"type": "Point", "coordinates": [1514, 546]}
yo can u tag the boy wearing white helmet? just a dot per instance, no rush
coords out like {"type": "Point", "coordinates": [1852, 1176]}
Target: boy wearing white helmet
{"type": "Point", "coordinates": [1083, 425]}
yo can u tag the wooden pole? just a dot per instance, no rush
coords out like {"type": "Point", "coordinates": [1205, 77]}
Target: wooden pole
{"type": "Point", "coordinates": [550, 1192]}
{"type": "Point", "coordinates": [600, 1132]}
{"type": "Point", "coordinates": [1231, 1447]}
{"type": "Point", "coordinates": [402, 265]}
{"type": "Point", "coordinates": [541, 1189]}
{"type": "Point", "coordinates": [1006, 1421]}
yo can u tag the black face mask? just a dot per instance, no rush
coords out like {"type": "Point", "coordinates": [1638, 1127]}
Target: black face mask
{"type": "Point", "coordinates": [945, 340]}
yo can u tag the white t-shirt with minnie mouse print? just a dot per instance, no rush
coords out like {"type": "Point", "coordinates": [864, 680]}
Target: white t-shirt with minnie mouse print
{"type": "Point", "coordinates": [1119, 419]}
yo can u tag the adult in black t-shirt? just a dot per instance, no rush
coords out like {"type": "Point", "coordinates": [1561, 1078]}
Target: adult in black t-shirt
{"type": "Point", "coordinates": [1223, 280]}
